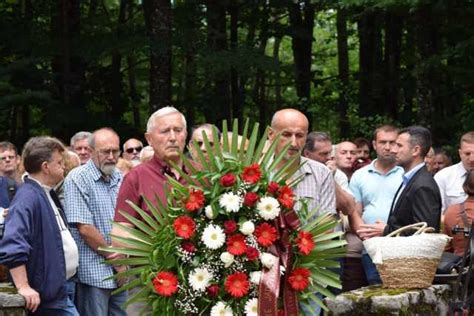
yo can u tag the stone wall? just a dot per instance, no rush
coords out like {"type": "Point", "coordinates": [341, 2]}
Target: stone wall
{"type": "Point", "coordinates": [11, 303]}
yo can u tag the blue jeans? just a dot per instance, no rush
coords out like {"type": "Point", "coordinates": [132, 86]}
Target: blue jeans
{"type": "Point", "coordinates": [370, 269]}
{"type": "Point", "coordinates": [70, 309]}
{"type": "Point", "coordinates": [95, 301]}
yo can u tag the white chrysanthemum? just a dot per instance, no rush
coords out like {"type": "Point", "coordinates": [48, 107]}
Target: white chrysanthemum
{"type": "Point", "coordinates": [247, 228]}
{"type": "Point", "coordinates": [255, 277]}
{"type": "Point", "coordinates": [227, 258]}
{"type": "Point", "coordinates": [199, 279]}
{"type": "Point", "coordinates": [251, 307]}
{"type": "Point", "coordinates": [220, 309]}
{"type": "Point", "coordinates": [268, 208]}
{"type": "Point", "coordinates": [213, 237]}
{"type": "Point", "coordinates": [209, 213]}
{"type": "Point", "coordinates": [230, 202]}
{"type": "Point", "coordinates": [268, 260]}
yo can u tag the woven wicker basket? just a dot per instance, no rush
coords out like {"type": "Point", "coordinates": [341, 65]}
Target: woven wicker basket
{"type": "Point", "coordinates": [407, 261]}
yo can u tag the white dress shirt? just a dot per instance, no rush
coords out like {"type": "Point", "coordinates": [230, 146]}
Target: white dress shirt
{"type": "Point", "coordinates": [450, 181]}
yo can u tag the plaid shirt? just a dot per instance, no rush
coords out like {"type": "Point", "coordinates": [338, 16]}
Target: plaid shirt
{"type": "Point", "coordinates": [90, 199]}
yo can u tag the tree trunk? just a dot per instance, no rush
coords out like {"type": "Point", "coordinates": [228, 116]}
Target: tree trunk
{"type": "Point", "coordinates": [237, 103]}
{"type": "Point", "coordinates": [276, 59]}
{"type": "Point", "coordinates": [343, 65]}
{"type": "Point", "coordinates": [158, 20]}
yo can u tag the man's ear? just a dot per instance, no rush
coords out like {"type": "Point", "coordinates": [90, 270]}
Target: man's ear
{"type": "Point", "coordinates": [44, 167]}
{"type": "Point", "coordinates": [148, 138]}
{"type": "Point", "coordinates": [271, 134]}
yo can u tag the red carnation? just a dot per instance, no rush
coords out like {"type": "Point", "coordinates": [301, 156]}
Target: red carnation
{"type": "Point", "coordinates": [195, 200]}
{"type": "Point", "coordinates": [251, 253]}
{"type": "Point", "coordinates": [188, 246]}
{"type": "Point", "coordinates": [250, 198]}
{"type": "Point", "coordinates": [213, 290]}
{"type": "Point", "coordinates": [227, 180]}
{"type": "Point", "coordinates": [285, 197]}
{"type": "Point", "coordinates": [237, 284]}
{"type": "Point", "coordinates": [236, 245]}
{"type": "Point", "coordinates": [165, 283]}
{"type": "Point", "coordinates": [230, 226]}
{"type": "Point", "coordinates": [266, 234]}
{"type": "Point", "coordinates": [252, 173]}
{"type": "Point", "coordinates": [273, 187]}
{"type": "Point", "coordinates": [305, 242]}
{"type": "Point", "coordinates": [299, 279]}
{"type": "Point", "coordinates": [184, 227]}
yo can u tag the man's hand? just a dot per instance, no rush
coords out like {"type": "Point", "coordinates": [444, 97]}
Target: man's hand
{"type": "Point", "coordinates": [367, 231]}
{"type": "Point", "coordinates": [121, 280]}
{"type": "Point", "coordinates": [32, 297]}
{"type": "Point", "coordinates": [5, 212]}
{"type": "Point", "coordinates": [331, 164]}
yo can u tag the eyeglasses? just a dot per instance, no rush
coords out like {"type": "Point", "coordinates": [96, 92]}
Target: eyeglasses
{"type": "Point", "coordinates": [7, 157]}
{"type": "Point", "coordinates": [200, 143]}
{"type": "Point", "coordinates": [107, 152]}
{"type": "Point", "coordinates": [131, 150]}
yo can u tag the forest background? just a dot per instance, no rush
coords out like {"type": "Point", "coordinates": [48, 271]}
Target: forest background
{"type": "Point", "coordinates": [70, 65]}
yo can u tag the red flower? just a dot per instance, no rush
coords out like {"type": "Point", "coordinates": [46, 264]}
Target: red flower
{"type": "Point", "coordinates": [230, 226]}
{"type": "Point", "coordinates": [273, 187]}
{"type": "Point", "coordinates": [299, 279]}
{"type": "Point", "coordinates": [281, 313]}
{"type": "Point", "coordinates": [165, 283]}
{"type": "Point", "coordinates": [251, 253]}
{"type": "Point", "coordinates": [266, 234]}
{"type": "Point", "coordinates": [195, 200]}
{"type": "Point", "coordinates": [285, 196]}
{"type": "Point", "coordinates": [237, 284]}
{"type": "Point", "coordinates": [227, 180]}
{"type": "Point", "coordinates": [213, 290]}
{"type": "Point", "coordinates": [236, 245]}
{"type": "Point", "coordinates": [188, 246]}
{"type": "Point", "coordinates": [184, 227]}
{"type": "Point", "coordinates": [252, 173]}
{"type": "Point", "coordinates": [305, 242]}
{"type": "Point", "coordinates": [250, 198]}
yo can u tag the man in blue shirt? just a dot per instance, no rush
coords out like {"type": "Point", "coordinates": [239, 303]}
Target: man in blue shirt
{"type": "Point", "coordinates": [90, 194]}
{"type": "Point", "coordinates": [374, 187]}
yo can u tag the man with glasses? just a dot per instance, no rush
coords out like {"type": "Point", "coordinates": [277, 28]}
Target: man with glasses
{"type": "Point", "coordinates": [131, 151]}
{"type": "Point", "coordinates": [198, 138]}
{"type": "Point", "coordinates": [9, 161]}
{"type": "Point", "coordinates": [90, 193]}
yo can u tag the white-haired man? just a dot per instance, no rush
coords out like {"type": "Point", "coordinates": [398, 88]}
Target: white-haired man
{"type": "Point", "coordinates": [80, 145]}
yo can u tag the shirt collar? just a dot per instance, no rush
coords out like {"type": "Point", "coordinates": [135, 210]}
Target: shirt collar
{"type": "Point", "coordinates": [408, 175]}
{"type": "Point", "coordinates": [163, 168]}
{"type": "Point", "coordinates": [45, 187]}
{"type": "Point", "coordinates": [372, 168]}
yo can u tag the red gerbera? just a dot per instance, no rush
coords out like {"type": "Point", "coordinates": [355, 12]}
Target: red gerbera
{"type": "Point", "coordinates": [299, 279]}
{"type": "Point", "coordinates": [266, 234]}
{"type": "Point", "coordinates": [184, 227]}
{"type": "Point", "coordinates": [251, 253]}
{"type": "Point", "coordinates": [305, 242]}
{"type": "Point", "coordinates": [273, 187]}
{"type": "Point", "coordinates": [250, 198]}
{"type": "Point", "coordinates": [195, 200]}
{"type": "Point", "coordinates": [236, 245]}
{"type": "Point", "coordinates": [252, 173]}
{"type": "Point", "coordinates": [165, 283]}
{"type": "Point", "coordinates": [285, 196]}
{"type": "Point", "coordinates": [230, 226]}
{"type": "Point", "coordinates": [237, 284]}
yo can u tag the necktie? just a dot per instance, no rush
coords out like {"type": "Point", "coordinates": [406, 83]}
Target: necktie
{"type": "Point", "coordinates": [57, 202]}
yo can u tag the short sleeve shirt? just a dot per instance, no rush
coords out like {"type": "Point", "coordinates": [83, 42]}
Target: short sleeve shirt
{"type": "Point", "coordinates": [450, 181]}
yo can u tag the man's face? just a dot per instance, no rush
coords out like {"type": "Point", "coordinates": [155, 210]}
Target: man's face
{"type": "Point", "coordinates": [168, 137]}
{"type": "Point", "coordinates": [55, 169]}
{"type": "Point", "coordinates": [9, 161]}
{"type": "Point", "coordinates": [81, 147]}
{"type": "Point", "coordinates": [439, 162]}
{"type": "Point", "coordinates": [293, 132]}
{"type": "Point", "coordinates": [198, 137]}
{"type": "Point", "coordinates": [132, 149]}
{"type": "Point", "coordinates": [345, 155]}
{"type": "Point", "coordinates": [363, 152]}
{"type": "Point", "coordinates": [384, 144]}
{"type": "Point", "coordinates": [106, 152]}
{"type": "Point", "coordinates": [466, 153]}
{"type": "Point", "coordinates": [403, 150]}
{"type": "Point", "coordinates": [321, 153]}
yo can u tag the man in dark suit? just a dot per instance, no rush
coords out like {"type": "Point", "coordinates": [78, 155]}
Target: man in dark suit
{"type": "Point", "coordinates": [418, 198]}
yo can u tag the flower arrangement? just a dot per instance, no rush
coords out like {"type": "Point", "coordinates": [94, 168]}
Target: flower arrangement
{"type": "Point", "coordinates": [231, 242]}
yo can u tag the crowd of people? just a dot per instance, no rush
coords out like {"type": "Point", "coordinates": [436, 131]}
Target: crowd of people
{"type": "Point", "coordinates": [60, 204]}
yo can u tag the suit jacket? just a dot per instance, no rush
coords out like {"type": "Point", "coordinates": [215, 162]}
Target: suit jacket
{"type": "Point", "coordinates": [420, 201]}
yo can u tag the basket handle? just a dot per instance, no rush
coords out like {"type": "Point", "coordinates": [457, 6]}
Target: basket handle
{"type": "Point", "coordinates": [419, 227]}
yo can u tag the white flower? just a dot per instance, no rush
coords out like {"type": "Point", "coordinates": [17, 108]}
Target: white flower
{"type": "Point", "coordinates": [213, 237]}
{"type": "Point", "coordinates": [221, 310]}
{"type": "Point", "coordinates": [230, 202]}
{"type": "Point", "coordinates": [267, 259]}
{"type": "Point", "coordinates": [251, 307]}
{"type": "Point", "coordinates": [255, 277]}
{"type": "Point", "coordinates": [247, 228]}
{"type": "Point", "coordinates": [268, 208]}
{"type": "Point", "coordinates": [199, 279]}
{"type": "Point", "coordinates": [209, 213]}
{"type": "Point", "coordinates": [227, 258]}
